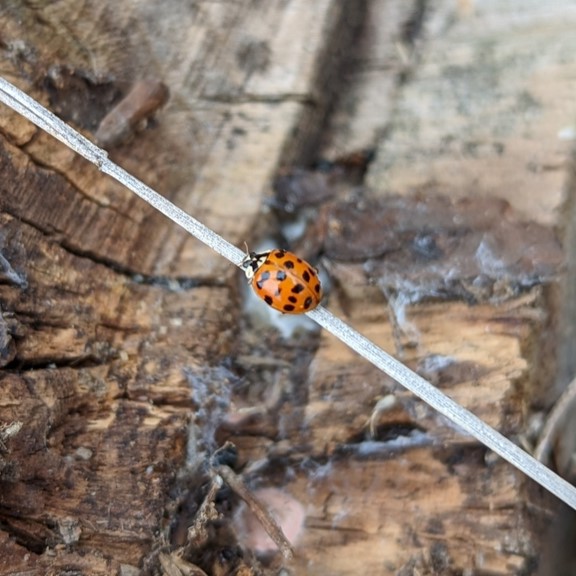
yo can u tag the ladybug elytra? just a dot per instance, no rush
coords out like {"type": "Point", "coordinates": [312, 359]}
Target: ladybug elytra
{"type": "Point", "coordinates": [283, 280]}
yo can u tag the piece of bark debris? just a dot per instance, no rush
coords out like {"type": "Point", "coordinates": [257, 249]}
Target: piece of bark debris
{"type": "Point", "coordinates": [557, 444]}
{"type": "Point", "coordinates": [211, 547]}
{"type": "Point", "coordinates": [144, 99]}
{"type": "Point", "coordinates": [174, 565]}
{"type": "Point", "coordinates": [7, 432]}
{"type": "Point", "coordinates": [13, 256]}
{"type": "Point", "coordinates": [7, 345]}
{"type": "Point", "coordinates": [476, 249]}
{"type": "Point", "coordinates": [298, 188]}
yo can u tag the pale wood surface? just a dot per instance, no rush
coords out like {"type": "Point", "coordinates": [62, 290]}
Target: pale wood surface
{"type": "Point", "coordinates": [490, 108]}
{"type": "Point", "coordinates": [486, 109]}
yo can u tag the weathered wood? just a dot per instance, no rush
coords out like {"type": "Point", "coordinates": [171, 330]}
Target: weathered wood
{"type": "Point", "coordinates": [118, 329]}
{"type": "Point", "coordinates": [380, 56]}
{"type": "Point", "coordinates": [489, 110]}
{"type": "Point", "coordinates": [483, 112]}
{"type": "Point", "coordinates": [116, 324]}
{"type": "Point", "coordinates": [240, 78]}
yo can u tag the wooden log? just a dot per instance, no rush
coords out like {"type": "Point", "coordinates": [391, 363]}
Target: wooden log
{"type": "Point", "coordinates": [118, 331]}
{"type": "Point", "coordinates": [116, 324]}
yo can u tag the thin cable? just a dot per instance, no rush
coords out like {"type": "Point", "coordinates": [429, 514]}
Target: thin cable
{"type": "Point", "coordinates": [36, 113]}
{"type": "Point", "coordinates": [446, 406]}
{"type": "Point", "coordinates": [43, 118]}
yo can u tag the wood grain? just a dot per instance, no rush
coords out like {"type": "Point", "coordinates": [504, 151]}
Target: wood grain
{"type": "Point", "coordinates": [125, 350]}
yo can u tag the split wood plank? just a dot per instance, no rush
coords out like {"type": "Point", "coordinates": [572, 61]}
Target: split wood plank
{"type": "Point", "coordinates": [486, 109]}
{"type": "Point", "coordinates": [121, 322]}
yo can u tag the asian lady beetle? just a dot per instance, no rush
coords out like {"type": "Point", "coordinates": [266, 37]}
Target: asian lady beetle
{"type": "Point", "coordinates": [284, 281]}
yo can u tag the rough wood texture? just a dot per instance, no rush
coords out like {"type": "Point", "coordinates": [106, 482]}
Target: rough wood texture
{"type": "Point", "coordinates": [485, 110]}
{"type": "Point", "coordinates": [118, 330]}
{"type": "Point", "coordinates": [113, 317]}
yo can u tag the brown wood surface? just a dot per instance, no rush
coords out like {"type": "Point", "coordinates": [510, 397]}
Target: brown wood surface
{"type": "Point", "coordinates": [125, 351]}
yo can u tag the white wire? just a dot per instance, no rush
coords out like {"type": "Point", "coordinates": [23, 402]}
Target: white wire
{"type": "Point", "coordinates": [43, 118]}
{"type": "Point", "coordinates": [36, 113]}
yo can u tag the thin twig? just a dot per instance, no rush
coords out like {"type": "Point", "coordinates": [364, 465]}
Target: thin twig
{"type": "Point", "coordinates": [36, 113]}
{"type": "Point", "coordinates": [556, 420]}
{"type": "Point", "coordinates": [256, 507]}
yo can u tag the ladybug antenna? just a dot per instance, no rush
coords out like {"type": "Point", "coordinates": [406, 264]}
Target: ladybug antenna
{"type": "Point", "coordinates": [246, 246]}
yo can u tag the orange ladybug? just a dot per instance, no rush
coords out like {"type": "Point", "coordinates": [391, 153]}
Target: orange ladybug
{"type": "Point", "coordinates": [283, 280]}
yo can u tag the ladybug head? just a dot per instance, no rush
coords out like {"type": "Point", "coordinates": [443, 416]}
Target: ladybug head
{"type": "Point", "coordinates": [250, 264]}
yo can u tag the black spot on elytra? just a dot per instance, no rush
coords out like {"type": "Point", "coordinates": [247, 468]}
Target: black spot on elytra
{"type": "Point", "coordinates": [289, 264]}
{"type": "Point", "coordinates": [279, 254]}
{"type": "Point", "coordinates": [297, 289]}
{"type": "Point", "coordinates": [317, 288]}
{"type": "Point", "coordinates": [306, 276]}
{"type": "Point", "coordinates": [268, 300]}
{"type": "Point", "coordinates": [307, 303]}
{"type": "Point", "coordinates": [299, 260]}
{"type": "Point", "coordinates": [262, 278]}
{"type": "Point", "coordinates": [288, 308]}
{"type": "Point", "coordinates": [280, 275]}
{"type": "Point", "coordinates": [293, 299]}
{"type": "Point", "coordinates": [312, 272]}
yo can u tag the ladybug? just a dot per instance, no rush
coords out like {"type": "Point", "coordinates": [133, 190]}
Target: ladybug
{"type": "Point", "coordinates": [284, 281]}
